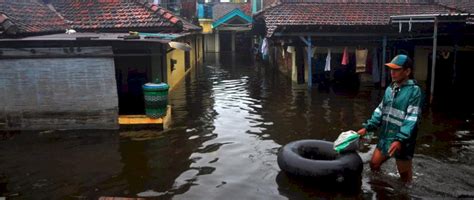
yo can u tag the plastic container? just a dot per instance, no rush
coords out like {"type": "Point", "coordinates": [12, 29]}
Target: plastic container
{"type": "Point", "coordinates": [156, 99]}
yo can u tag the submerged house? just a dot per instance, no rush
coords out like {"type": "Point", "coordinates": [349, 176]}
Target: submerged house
{"type": "Point", "coordinates": [226, 25]}
{"type": "Point", "coordinates": [83, 78]}
{"type": "Point", "coordinates": [344, 43]}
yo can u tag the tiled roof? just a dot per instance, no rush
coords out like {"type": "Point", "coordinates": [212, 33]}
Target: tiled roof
{"type": "Point", "coordinates": [268, 3]}
{"type": "Point", "coordinates": [345, 14]}
{"type": "Point", "coordinates": [221, 9]}
{"type": "Point", "coordinates": [357, 1]}
{"type": "Point", "coordinates": [464, 5]}
{"type": "Point", "coordinates": [247, 9]}
{"type": "Point", "coordinates": [119, 15]}
{"type": "Point", "coordinates": [30, 17]}
{"type": "Point", "coordinates": [187, 26]}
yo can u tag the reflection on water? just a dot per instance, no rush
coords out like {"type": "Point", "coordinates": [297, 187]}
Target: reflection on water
{"type": "Point", "coordinates": [230, 117]}
{"type": "Point", "coordinates": [234, 154]}
{"type": "Point", "coordinates": [298, 188]}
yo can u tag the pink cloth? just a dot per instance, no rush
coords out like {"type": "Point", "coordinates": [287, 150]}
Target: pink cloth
{"type": "Point", "coordinates": [345, 57]}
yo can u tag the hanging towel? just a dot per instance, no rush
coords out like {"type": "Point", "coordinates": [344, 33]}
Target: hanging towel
{"type": "Point", "coordinates": [327, 67]}
{"type": "Point", "coordinates": [290, 49]}
{"type": "Point", "coordinates": [264, 49]}
{"type": "Point", "coordinates": [375, 66]}
{"type": "Point", "coordinates": [361, 60]}
{"type": "Point", "coordinates": [345, 57]}
{"type": "Point", "coordinates": [283, 52]}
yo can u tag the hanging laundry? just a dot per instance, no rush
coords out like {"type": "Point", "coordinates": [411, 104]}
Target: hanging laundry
{"type": "Point", "coordinates": [327, 67]}
{"type": "Point", "coordinates": [361, 60]}
{"type": "Point", "coordinates": [264, 49]}
{"type": "Point", "coordinates": [290, 49]}
{"type": "Point", "coordinates": [283, 52]}
{"type": "Point", "coordinates": [375, 66]}
{"type": "Point", "coordinates": [345, 57]}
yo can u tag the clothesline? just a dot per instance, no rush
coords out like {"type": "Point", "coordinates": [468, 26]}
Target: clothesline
{"type": "Point", "coordinates": [375, 40]}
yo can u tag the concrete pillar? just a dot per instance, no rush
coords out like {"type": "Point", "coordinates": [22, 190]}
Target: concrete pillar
{"type": "Point", "coordinates": [217, 42]}
{"type": "Point", "coordinates": [300, 64]}
{"type": "Point", "coordinates": [433, 59]}
{"type": "Point", "coordinates": [310, 55]}
{"type": "Point", "coordinates": [294, 72]}
{"type": "Point", "coordinates": [233, 41]}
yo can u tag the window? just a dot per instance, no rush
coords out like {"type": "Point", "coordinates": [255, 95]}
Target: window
{"type": "Point", "coordinates": [172, 64]}
{"type": "Point", "coordinates": [259, 5]}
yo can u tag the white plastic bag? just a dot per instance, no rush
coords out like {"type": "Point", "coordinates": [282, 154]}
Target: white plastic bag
{"type": "Point", "coordinates": [347, 141]}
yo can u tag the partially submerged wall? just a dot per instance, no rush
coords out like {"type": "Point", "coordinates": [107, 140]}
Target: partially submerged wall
{"type": "Point", "coordinates": [58, 88]}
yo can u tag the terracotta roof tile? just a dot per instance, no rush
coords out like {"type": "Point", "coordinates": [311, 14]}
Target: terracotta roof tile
{"type": "Point", "coordinates": [31, 17]}
{"type": "Point", "coordinates": [464, 5]}
{"type": "Point", "coordinates": [221, 9]}
{"type": "Point", "coordinates": [247, 8]}
{"type": "Point", "coordinates": [118, 15]}
{"type": "Point", "coordinates": [347, 14]}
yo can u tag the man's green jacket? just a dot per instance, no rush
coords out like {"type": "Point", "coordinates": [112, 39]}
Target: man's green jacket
{"type": "Point", "coordinates": [397, 114]}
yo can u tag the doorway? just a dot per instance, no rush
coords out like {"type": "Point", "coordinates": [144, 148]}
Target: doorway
{"type": "Point", "coordinates": [132, 71]}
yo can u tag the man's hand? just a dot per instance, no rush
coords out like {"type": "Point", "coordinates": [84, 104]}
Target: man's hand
{"type": "Point", "coordinates": [362, 131]}
{"type": "Point", "coordinates": [395, 146]}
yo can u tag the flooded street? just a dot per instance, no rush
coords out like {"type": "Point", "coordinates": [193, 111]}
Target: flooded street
{"type": "Point", "coordinates": [229, 119]}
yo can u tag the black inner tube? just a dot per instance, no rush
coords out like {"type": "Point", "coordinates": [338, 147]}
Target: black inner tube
{"type": "Point", "coordinates": [314, 153]}
{"type": "Point", "coordinates": [318, 159]}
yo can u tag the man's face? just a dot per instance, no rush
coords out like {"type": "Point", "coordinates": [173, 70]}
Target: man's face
{"type": "Point", "coordinates": [400, 75]}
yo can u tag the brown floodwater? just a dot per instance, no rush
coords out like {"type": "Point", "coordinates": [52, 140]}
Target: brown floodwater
{"type": "Point", "coordinates": [230, 117]}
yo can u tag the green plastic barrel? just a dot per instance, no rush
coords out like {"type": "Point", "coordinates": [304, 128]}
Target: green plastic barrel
{"type": "Point", "coordinates": [156, 99]}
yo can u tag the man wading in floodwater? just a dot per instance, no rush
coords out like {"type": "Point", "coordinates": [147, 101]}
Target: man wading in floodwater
{"type": "Point", "coordinates": [397, 115]}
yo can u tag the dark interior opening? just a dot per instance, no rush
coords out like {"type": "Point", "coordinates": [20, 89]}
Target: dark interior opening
{"type": "Point", "coordinates": [132, 71]}
{"type": "Point", "coordinates": [225, 41]}
{"type": "Point", "coordinates": [452, 81]}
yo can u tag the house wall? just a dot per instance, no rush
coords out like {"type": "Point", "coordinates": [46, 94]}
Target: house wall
{"type": "Point", "coordinates": [210, 45]}
{"type": "Point", "coordinates": [420, 62]}
{"type": "Point", "coordinates": [177, 72]}
{"type": "Point", "coordinates": [156, 66]}
{"type": "Point", "coordinates": [58, 92]}
{"type": "Point", "coordinates": [206, 25]}
{"type": "Point", "coordinates": [200, 50]}
{"type": "Point", "coordinates": [422, 59]}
